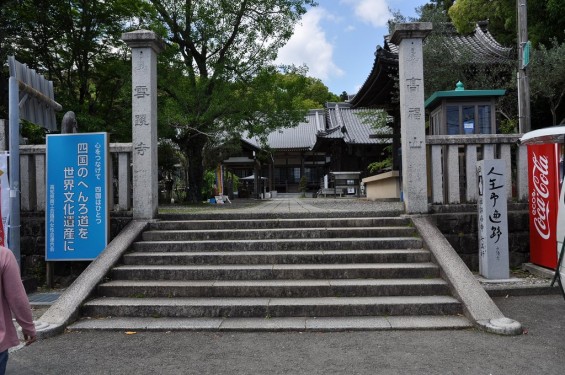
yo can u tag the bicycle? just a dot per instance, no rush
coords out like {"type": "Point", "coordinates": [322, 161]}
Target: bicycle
{"type": "Point", "coordinates": [557, 276]}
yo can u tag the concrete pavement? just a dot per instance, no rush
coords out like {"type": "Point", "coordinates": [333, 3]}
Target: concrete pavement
{"type": "Point", "coordinates": [389, 352]}
{"type": "Point", "coordinates": [539, 350]}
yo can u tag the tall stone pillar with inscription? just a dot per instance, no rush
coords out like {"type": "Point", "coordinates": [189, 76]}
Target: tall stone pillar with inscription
{"type": "Point", "coordinates": [409, 38]}
{"type": "Point", "coordinates": [145, 45]}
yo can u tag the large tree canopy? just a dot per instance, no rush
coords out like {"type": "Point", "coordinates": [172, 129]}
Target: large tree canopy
{"type": "Point", "coordinates": [224, 82]}
{"type": "Point", "coordinates": [75, 43]}
{"type": "Point", "coordinates": [545, 18]}
{"type": "Point", "coordinates": [547, 77]}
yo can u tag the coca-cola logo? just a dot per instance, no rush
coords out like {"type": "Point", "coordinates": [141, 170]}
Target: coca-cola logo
{"type": "Point", "coordinates": [540, 195]}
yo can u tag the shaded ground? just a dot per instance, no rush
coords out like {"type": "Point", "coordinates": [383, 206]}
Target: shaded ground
{"type": "Point", "coordinates": [538, 351]}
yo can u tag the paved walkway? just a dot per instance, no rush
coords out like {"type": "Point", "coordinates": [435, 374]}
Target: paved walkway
{"type": "Point", "coordinates": [538, 351]}
{"type": "Point", "coordinates": [294, 205]}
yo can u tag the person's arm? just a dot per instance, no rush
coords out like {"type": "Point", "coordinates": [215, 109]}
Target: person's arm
{"type": "Point", "coordinates": [15, 295]}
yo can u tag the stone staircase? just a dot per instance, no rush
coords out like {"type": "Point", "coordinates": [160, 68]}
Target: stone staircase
{"type": "Point", "coordinates": [315, 273]}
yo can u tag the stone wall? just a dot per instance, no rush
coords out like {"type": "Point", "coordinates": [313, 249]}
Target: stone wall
{"type": "Point", "coordinates": [32, 245]}
{"type": "Point", "coordinates": [459, 225]}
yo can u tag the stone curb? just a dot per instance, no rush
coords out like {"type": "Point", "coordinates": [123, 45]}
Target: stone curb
{"type": "Point", "coordinates": [65, 310]}
{"type": "Point", "coordinates": [478, 306]}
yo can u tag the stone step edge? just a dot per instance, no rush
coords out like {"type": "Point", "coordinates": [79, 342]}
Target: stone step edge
{"type": "Point", "coordinates": [274, 220]}
{"type": "Point", "coordinates": [270, 230]}
{"type": "Point", "coordinates": [277, 252]}
{"type": "Point", "coordinates": [270, 301]}
{"type": "Point", "coordinates": [297, 324]}
{"type": "Point", "coordinates": [277, 266]}
{"type": "Point", "coordinates": [285, 240]}
{"type": "Point", "coordinates": [275, 282]}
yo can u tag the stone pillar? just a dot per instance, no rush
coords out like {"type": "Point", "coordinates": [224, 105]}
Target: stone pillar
{"type": "Point", "coordinates": [145, 45]}
{"type": "Point", "coordinates": [409, 38]}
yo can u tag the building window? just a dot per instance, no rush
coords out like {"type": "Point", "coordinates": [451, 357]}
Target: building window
{"type": "Point", "coordinates": [485, 125]}
{"type": "Point", "coordinates": [453, 120]}
{"type": "Point", "coordinates": [467, 119]}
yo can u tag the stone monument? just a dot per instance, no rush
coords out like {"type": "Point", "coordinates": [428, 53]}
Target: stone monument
{"type": "Point", "coordinates": [493, 219]}
{"type": "Point", "coordinates": [409, 38]}
{"type": "Point", "coordinates": [69, 123]}
{"type": "Point", "coordinates": [145, 45]}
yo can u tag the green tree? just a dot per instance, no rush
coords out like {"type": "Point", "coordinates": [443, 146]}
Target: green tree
{"type": "Point", "coordinates": [76, 44]}
{"type": "Point", "coordinates": [547, 76]}
{"type": "Point", "coordinates": [545, 18]}
{"type": "Point", "coordinates": [381, 123]}
{"type": "Point", "coordinates": [223, 81]}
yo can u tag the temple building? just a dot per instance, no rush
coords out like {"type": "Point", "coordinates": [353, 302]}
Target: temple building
{"type": "Point", "coordinates": [337, 138]}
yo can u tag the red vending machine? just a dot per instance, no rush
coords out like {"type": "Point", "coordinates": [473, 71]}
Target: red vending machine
{"type": "Point", "coordinates": [543, 185]}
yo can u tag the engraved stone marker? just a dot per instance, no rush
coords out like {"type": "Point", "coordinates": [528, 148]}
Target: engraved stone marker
{"type": "Point", "coordinates": [145, 45]}
{"type": "Point", "coordinates": [493, 219]}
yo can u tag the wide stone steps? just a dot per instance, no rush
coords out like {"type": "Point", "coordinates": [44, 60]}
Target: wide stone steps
{"type": "Point", "coordinates": [277, 271]}
{"type": "Point", "coordinates": [281, 245]}
{"type": "Point", "coordinates": [225, 223]}
{"type": "Point", "coordinates": [278, 257]}
{"type": "Point", "coordinates": [243, 273]}
{"type": "Point", "coordinates": [290, 288]}
{"type": "Point", "coordinates": [272, 307]}
{"type": "Point", "coordinates": [276, 233]}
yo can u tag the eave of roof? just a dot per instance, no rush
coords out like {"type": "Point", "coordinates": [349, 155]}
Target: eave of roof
{"type": "Point", "coordinates": [480, 44]}
{"type": "Point", "coordinates": [439, 95]}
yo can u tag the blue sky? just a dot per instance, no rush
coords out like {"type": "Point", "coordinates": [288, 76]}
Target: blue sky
{"type": "Point", "coordinates": [338, 38]}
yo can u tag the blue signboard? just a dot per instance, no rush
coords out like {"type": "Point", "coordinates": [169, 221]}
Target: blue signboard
{"type": "Point", "coordinates": [77, 196]}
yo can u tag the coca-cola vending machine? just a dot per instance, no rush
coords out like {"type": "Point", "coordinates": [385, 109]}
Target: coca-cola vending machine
{"type": "Point", "coordinates": [543, 184]}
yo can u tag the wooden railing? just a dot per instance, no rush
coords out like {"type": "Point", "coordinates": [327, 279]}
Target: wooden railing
{"type": "Point", "coordinates": [32, 177]}
{"type": "Point", "coordinates": [452, 165]}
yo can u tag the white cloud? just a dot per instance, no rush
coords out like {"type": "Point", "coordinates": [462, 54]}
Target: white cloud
{"type": "Point", "coordinates": [309, 45]}
{"type": "Point", "coordinates": [373, 12]}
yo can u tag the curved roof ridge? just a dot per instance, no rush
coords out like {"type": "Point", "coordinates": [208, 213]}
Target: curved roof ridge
{"type": "Point", "coordinates": [480, 45]}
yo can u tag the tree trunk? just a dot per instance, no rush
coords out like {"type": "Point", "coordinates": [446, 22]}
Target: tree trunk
{"type": "Point", "coordinates": [193, 150]}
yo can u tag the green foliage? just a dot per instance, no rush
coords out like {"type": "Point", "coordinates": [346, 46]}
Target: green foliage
{"type": "Point", "coordinates": [446, 64]}
{"type": "Point", "coordinates": [380, 123]}
{"type": "Point", "coordinates": [547, 76]}
{"type": "Point", "coordinates": [379, 166]}
{"type": "Point", "coordinates": [34, 134]}
{"type": "Point", "coordinates": [500, 13]}
{"type": "Point", "coordinates": [76, 44]}
{"type": "Point", "coordinates": [545, 19]}
{"type": "Point", "coordinates": [218, 75]}
{"type": "Point", "coordinates": [168, 156]}
{"type": "Point", "coordinates": [509, 126]}
{"type": "Point", "coordinates": [209, 182]}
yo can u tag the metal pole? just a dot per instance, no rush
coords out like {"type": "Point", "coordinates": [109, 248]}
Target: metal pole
{"type": "Point", "coordinates": [524, 121]}
{"type": "Point", "coordinates": [14, 168]}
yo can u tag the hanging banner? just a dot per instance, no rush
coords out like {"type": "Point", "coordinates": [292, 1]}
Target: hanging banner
{"type": "Point", "coordinates": [77, 196]}
{"type": "Point", "coordinates": [4, 199]}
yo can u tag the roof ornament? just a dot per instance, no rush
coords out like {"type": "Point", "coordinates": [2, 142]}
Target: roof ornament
{"type": "Point", "coordinates": [459, 86]}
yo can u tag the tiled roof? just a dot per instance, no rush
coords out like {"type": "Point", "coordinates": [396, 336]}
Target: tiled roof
{"type": "Point", "coordinates": [478, 47]}
{"type": "Point", "coordinates": [348, 125]}
{"type": "Point", "coordinates": [336, 121]}
{"type": "Point", "coordinates": [300, 137]}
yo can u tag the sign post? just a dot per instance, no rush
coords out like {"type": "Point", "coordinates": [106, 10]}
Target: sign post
{"type": "Point", "coordinates": [77, 196]}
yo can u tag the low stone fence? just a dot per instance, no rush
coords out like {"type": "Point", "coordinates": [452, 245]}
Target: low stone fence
{"type": "Point", "coordinates": [32, 177]}
{"type": "Point", "coordinates": [459, 225]}
{"type": "Point", "coordinates": [32, 246]}
{"type": "Point", "coordinates": [452, 161]}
